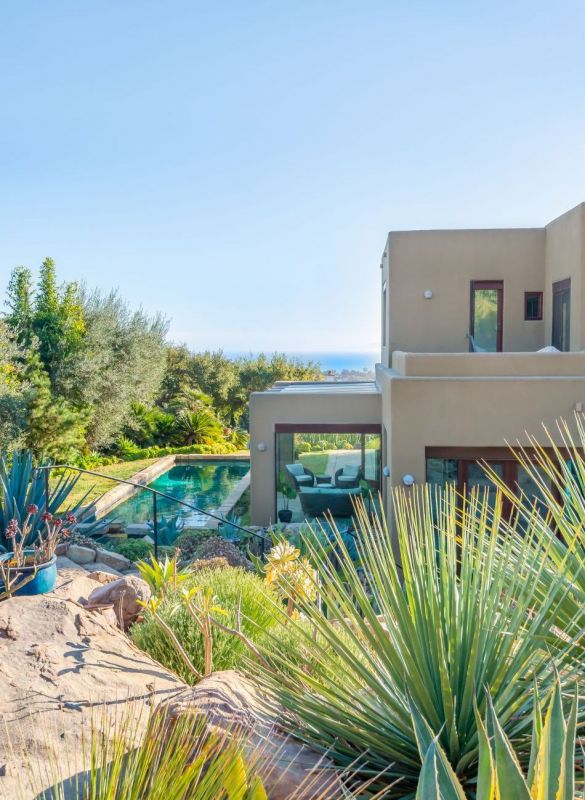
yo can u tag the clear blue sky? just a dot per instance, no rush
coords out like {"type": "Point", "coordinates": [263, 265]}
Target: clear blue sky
{"type": "Point", "coordinates": [237, 165]}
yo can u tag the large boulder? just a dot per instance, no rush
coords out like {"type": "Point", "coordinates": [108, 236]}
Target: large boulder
{"type": "Point", "coordinates": [61, 666]}
{"type": "Point", "coordinates": [125, 595]}
{"type": "Point", "coordinates": [228, 701]}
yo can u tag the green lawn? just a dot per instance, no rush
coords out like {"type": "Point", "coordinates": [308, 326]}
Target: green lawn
{"type": "Point", "coordinates": [316, 462]}
{"type": "Point", "coordinates": [97, 486]}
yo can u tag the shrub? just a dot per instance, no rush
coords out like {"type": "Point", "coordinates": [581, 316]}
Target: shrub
{"type": "Point", "coordinates": [216, 547]}
{"type": "Point", "coordinates": [134, 549]}
{"type": "Point", "coordinates": [259, 620]}
{"type": "Point", "coordinates": [190, 539]}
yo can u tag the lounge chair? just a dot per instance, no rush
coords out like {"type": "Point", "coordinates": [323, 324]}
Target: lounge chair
{"type": "Point", "coordinates": [348, 477]}
{"type": "Point", "coordinates": [299, 476]}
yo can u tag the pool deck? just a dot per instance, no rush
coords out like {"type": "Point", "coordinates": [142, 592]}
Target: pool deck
{"type": "Point", "coordinates": [112, 498]}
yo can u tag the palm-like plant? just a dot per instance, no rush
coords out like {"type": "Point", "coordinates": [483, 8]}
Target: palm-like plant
{"type": "Point", "coordinates": [198, 426]}
{"type": "Point", "coordinates": [432, 617]}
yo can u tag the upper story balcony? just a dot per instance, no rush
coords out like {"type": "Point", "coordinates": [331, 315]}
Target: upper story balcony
{"type": "Point", "coordinates": [486, 365]}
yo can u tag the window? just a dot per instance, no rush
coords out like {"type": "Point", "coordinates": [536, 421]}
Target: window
{"type": "Point", "coordinates": [532, 305]}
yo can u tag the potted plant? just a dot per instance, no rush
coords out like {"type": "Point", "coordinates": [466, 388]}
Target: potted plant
{"type": "Point", "coordinates": [28, 570]}
{"type": "Point", "coordinates": [287, 493]}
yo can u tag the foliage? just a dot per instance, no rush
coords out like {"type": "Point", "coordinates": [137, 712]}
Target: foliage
{"type": "Point", "coordinates": [134, 549]}
{"type": "Point", "coordinates": [55, 429]}
{"type": "Point", "coordinates": [556, 536]}
{"type": "Point", "coordinates": [163, 577]}
{"type": "Point", "coordinates": [122, 363]}
{"type": "Point", "coordinates": [22, 486]}
{"type": "Point", "coordinates": [168, 529]}
{"type": "Point", "coordinates": [179, 760]}
{"type": "Point", "coordinates": [13, 390]}
{"type": "Point", "coordinates": [39, 548]}
{"type": "Point", "coordinates": [551, 772]}
{"type": "Point", "coordinates": [190, 540]}
{"type": "Point", "coordinates": [435, 631]}
{"type": "Point", "coordinates": [292, 576]}
{"type": "Point", "coordinates": [197, 427]}
{"type": "Point", "coordinates": [231, 587]}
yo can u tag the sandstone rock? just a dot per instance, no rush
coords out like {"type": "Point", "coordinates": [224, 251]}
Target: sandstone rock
{"type": "Point", "coordinates": [100, 572]}
{"type": "Point", "coordinates": [80, 554]}
{"type": "Point", "coordinates": [60, 667]}
{"type": "Point", "coordinates": [123, 595]}
{"type": "Point", "coordinates": [227, 700]}
{"type": "Point", "coordinates": [114, 560]}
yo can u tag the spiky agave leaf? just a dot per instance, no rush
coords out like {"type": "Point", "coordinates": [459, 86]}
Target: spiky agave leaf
{"type": "Point", "coordinates": [434, 614]}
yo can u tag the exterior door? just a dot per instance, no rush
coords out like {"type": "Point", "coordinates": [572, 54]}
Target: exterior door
{"type": "Point", "coordinates": [561, 317]}
{"type": "Point", "coordinates": [487, 314]}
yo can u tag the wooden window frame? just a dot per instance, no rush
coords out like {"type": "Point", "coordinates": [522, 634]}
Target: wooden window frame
{"type": "Point", "coordinates": [540, 296]}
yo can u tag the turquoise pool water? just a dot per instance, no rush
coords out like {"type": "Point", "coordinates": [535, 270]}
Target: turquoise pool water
{"type": "Point", "coordinates": [205, 484]}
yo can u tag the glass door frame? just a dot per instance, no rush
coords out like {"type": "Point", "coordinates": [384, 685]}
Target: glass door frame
{"type": "Point", "coordinates": [499, 287]}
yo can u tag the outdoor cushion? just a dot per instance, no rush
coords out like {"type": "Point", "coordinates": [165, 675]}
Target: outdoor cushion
{"type": "Point", "coordinates": [304, 479]}
{"type": "Point", "coordinates": [349, 472]}
{"type": "Point", "coordinates": [296, 469]}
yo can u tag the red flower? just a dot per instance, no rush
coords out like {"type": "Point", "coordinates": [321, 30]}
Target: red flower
{"type": "Point", "coordinates": [47, 516]}
{"type": "Point", "coordinates": [11, 529]}
{"type": "Point", "coordinates": [33, 509]}
{"type": "Point", "coordinates": [58, 523]}
{"type": "Point", "coordinates": [71, 519]}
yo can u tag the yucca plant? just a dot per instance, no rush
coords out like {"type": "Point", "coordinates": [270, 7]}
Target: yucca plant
{"type": "Point", "coordinates": [173, 760]}
{"type": "Point", "coordinates": [551, 770]}
{"type": "Point", "coordinates": [22, 486]}
{"type": "Point", "coordinates": [557, 537]}
{"type": "Point", "coordinates": [430, 617]}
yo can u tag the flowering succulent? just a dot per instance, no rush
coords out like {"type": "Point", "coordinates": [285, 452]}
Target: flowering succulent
{"type": "Point", "coordinates": [47, 516]}
{"type": "Point", "coordinates": [33, 509]}
{"type": "Point", "coordinates": [12, 529]}
{"type": "Point", "coordinates": [71, 519]}
{"type": "Point", "coordinates": [293, 577]}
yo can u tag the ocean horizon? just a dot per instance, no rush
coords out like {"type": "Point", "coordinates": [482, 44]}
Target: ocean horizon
{"type": "Point", "coordinates": [329, 362]}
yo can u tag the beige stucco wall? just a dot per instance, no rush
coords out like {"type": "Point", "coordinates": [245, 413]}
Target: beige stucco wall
{"type": "Point", "coordinates": [488, 364]}
{"type": "Point", "coordinates": [269, 408]}
{"type": "Point", "coordinates": [565, 258]}
{"type": "Point", "coordinates": [446, 262]}
{"type": "Point", "coordinates": [420, 412]}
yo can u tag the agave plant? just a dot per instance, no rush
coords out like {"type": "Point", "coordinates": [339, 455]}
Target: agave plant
{"type": "Point", "coordinates": [430, 617]}
{"type": "Point", "coordinates": [22, 487]}
{"type": "Point", "coordinates": [168, 529]}
{"type": "Point", "coordinates": [551, 770]}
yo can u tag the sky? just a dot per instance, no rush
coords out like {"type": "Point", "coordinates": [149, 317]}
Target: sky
{"type": "Point", "coordinates": [237, 165]}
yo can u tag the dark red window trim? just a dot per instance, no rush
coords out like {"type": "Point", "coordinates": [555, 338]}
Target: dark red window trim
{"type": "Point", "coordinates": [326, 427]}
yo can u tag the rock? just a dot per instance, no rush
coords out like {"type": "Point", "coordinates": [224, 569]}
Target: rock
{"type": "Point", "coordinates": [114, 560]}
{"type": "Point", "coordinates": [227, 700]}
{"type": "Point", "coordinates": [100, 572]}
{"type": "Point", "coordinates": [80, 554]}
{"type": "Point", "coordinates": [62, 548]}
{"type": "Point", "coordinates": [137, 529]}
{"type": "Point", "coordinates": [60, 668]}
{"type": "Point", "coordinates": [123, 595]}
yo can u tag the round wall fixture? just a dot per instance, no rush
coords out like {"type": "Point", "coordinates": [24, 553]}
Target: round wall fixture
{"type": "Point", "coordinates": [408, 480]}
{"type": "Point", "coordinates": [386, 472]}
{"type": "Point", "coordinates": [428, 294]}
{"type": "Point", "coordinates": [261, 447]}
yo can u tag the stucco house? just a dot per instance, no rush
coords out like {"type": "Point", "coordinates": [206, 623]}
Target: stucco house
{"type": "Point", "coordinates": [483, 338]}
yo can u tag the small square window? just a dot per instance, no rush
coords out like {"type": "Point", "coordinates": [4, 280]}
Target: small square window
{"type": "Point", "coordinates": [532, 305]}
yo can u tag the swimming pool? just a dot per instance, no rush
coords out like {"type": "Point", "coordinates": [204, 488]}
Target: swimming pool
{"type": "Point", "coordinates": [205, 484]}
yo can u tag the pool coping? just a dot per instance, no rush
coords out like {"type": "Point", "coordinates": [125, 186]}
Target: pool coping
{"type": "Point", "coordinates": [113, 497]}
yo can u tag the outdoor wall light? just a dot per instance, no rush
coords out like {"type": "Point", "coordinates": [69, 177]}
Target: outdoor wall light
{"type": "Point", "coordinates": [428, 294]}
{"type": "Point", "coordinates": [408, 480]}
{"type": "Point", "coordinates": [386, 472]}
{"type": "Point", "coordinates": [261, 446]}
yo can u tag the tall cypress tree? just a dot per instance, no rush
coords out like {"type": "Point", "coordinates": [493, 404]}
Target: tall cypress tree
{"type": "Point", "coordinates": [20, 304]}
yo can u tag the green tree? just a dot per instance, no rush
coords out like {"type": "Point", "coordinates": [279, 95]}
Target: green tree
{"type": "Point", "coordinates": [54, 429]}
{"type": "Point", "coordinates": [58, 325]}
{"type": "Point", "coordinates": [13, 390]}
{"type": "Point", "coordinates": [122, 363]}
{"type": "Point", "coordinates": [20, 306]}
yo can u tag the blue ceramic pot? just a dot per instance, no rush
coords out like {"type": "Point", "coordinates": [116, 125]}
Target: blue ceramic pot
{"type": "Point", "coordinates": [44, 580]}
